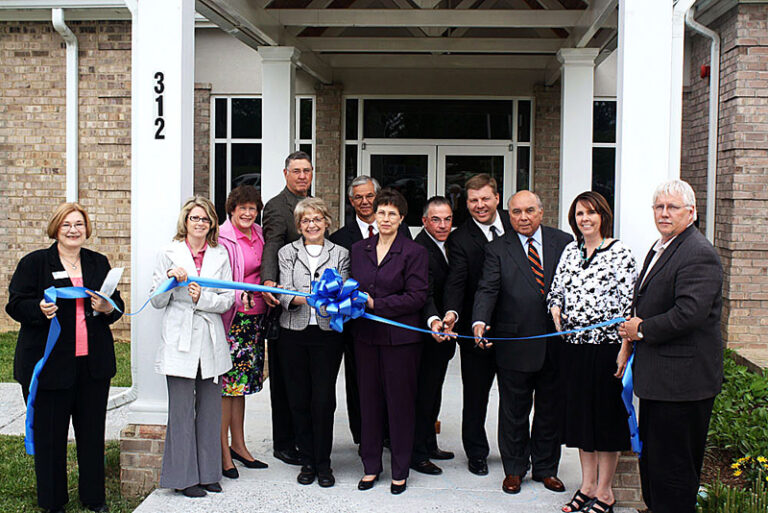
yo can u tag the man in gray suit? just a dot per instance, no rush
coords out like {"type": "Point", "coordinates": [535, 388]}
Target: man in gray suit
{"type": "Point", "coordinates": [279, 230]}
{"type": "Point", "coordinates": [678, 367]}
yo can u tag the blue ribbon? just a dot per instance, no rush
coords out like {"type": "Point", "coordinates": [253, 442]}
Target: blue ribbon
{"type": "Point", "coordinates": [50, 294]}
{"type": "Point", "coordinates": [627, 395]}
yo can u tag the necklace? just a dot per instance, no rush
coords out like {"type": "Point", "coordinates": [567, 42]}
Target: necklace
{"type": "Point", "coordinates": [583, 252]}
{"type": "Point", "coordinates": [73, 265]}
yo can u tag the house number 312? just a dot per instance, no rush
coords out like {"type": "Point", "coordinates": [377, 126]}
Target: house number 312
{"type": "Point", "coordinates": [159, 120]}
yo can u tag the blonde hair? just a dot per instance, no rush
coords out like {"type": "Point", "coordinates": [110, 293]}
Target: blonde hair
{"type": "Point", "coordinates": [315, 204]}
{"type": "Point", "coordinates": [181, 225]}
{"type": "Point", "coordinates": [62, 211]}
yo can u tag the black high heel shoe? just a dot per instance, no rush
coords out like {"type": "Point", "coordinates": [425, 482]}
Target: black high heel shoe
{"type": "Point", "coordinates": [231, 473]}
{"type": "Point", "coordinates": [254, 463]}
{"type": "Point", "coordinates": [397, 489]}
{"type": "Point", "coordinates": [367, 485]}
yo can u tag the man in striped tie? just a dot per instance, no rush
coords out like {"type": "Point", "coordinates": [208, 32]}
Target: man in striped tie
{"type": "Point", "coordinates": [511, 302]}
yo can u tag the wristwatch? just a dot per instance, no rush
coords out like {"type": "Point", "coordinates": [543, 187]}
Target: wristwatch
{"type": "Point", "coordinates": [640, 331]}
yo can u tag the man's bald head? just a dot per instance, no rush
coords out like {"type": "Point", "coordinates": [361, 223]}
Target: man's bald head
{"type": "Point", "coordinates": [525, 212]}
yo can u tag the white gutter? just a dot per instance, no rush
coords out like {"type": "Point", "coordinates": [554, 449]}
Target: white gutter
{"type": "Point", "coordinates": [676, 84]}
{"type": "Point", "coordinates": [130, 395]}
{"type": "Point", "coordinates": [73, 94]}
{"type": "Point", "coordinates": [714, 107]}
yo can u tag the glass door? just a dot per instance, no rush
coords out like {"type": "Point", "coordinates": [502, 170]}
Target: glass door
{"type": "Point", "coordinates": [456, 164]}
{"type": "Point", "coordinates": [408, 168]}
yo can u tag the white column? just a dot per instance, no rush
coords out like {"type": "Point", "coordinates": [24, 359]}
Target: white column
{"type": "Point", "coordinates": [162, 92]}
{"type": "Point", "coordinates": [643, 122]}
{"type": "Point", "coordinates": [577, 87]}
{"type": "Point", "coordinates": [278, 107]}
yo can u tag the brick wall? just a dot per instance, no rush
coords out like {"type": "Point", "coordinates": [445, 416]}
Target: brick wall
{"type": "Point", "coordinates": [328, 145]}
{"type": "Point", "coordinates": [203, 140]}
{"type": "Point", "coordinates": [32, 141]}
{"type": "Point", "coordinates": [546, 149]}
{"type": "Point", "coordinates": [741, 234]}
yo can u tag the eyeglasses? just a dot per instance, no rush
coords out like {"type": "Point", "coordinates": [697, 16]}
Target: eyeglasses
{"type": "Point", "coordinates": [357, 198]}
{"type": "Point", "coordinates": [671, 208]}
{"type": "Point", "coordinates": [250, 210]}
{"type": "Point", "coordinates": [317, 220]}
{"type": "Point", "coordinates": [440, 220]}
{"type": "Point", "coordinates": [65, 227]}
{"type": "Point", "coordinates": [198, 219]}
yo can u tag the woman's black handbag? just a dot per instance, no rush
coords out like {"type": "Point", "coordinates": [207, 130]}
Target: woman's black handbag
{"type": "Point", "coordinates": [269, 324]}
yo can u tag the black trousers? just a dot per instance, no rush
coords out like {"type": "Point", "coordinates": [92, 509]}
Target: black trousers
{"type": "Point", "coordinates": [350, 381]}
{"type": "Point", "coordinates": [310, 361]}
{"type": "Point", "coordinates": [429, 396]}
{"type": "Point", "coordinates": [283, 437]}
{"type": "Point", "coordinates": [674, 436]}
{"type": "Point", "coordinates": [538, 446]}
{"type": "Point", "coordinates": [478, 369]}
{"type": "Point", "coordinates": [85, 402]}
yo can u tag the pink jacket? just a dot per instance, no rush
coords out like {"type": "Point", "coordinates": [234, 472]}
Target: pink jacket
{"type": "Point", "coordinates": [228, 239]}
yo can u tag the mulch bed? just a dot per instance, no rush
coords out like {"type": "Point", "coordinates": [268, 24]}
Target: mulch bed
{"type": "Point", "coordinates": [717, 467]}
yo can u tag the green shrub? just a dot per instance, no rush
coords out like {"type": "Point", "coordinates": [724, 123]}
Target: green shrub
{"type": "Point", "coordinates": [740, 414]}
{"type": "Point", "coordinates": [720, 498]}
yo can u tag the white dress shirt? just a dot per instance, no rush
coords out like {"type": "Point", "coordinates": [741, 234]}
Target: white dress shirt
{"type": "Point", "coordinates": [486, 228]}
{"type": "Point", "coordinates": [364, 227]}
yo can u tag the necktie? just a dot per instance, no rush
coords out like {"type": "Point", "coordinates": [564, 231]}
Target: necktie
{"type": "Point", "coordinates": [494, 233]}
{"type": "Point", "coordinates": [535, 262]}
{"type": "Point", "coordinates": [370, 230]}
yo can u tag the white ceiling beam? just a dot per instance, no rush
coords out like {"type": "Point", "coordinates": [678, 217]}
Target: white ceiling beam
{"type": "Point", "coordinates": [404, 4]}
{"type": "Point", "coordinates": [550, 4]}
{"type": "Point", "coordinates": [596, 16]}
{"type": "Point", "coordinates": [256, 27]}
{"type": "Point", "coordinates": [431, 44]}
{"type": "Point", "coordinates": [534, 62]}
{"type": "Point", "coordinates": [485, 4]}
{"type": "Point", "coordinates": [498, 18]}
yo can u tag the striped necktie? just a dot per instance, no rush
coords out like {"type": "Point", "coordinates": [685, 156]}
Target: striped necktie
{"type": "Point", "coordinates": [535, 262]}
{"type": "Point", "coordinates": [370, 231]}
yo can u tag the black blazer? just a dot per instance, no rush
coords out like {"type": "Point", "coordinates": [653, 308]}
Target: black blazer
{"type": "Point", "coordinates": [438, 273]}
{"type": "Point", "coordinates": [350, 233]}
{"type": "Point", "coordinates": [466, 247]}
{"type": "Point", "coordinates": [681, 355]}
{"type": "Point", "coordinates": [33, 275]}
{"type": "Point", "coordinates": [279, 228]}
{"type": "Point", "coordinates": [508, 298]}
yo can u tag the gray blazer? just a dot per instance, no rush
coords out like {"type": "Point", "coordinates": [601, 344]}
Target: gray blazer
{"type": "Point", "coordinates": [680, 357]}
{"type": "Point", "coordinates": [295, 274]}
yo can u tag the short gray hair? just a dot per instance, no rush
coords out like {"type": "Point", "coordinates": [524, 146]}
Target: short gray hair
{"type": "Point", "coordinates": [311, 204]}
{"type": "Point", "coordinates": [362, 180]}
{"type": "Point", "coordinates": [680, 187]}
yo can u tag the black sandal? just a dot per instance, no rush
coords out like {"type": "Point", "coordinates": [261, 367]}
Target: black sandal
{"type": "Point", "coordinates": [604, 508]}
{"type": "Point", "coordinates": [579, 501]}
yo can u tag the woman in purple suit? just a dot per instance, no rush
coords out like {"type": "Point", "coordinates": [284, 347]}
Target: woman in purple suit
{"type": "Point", "coordinates": [394, 272]}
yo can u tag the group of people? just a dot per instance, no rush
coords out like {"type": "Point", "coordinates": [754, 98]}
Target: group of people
{"type": "Point", "coordinates": [500, 274]}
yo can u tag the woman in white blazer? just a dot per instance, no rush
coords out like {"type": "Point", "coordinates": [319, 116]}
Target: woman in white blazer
{"type": "Point", "coordinates": [194, 351]}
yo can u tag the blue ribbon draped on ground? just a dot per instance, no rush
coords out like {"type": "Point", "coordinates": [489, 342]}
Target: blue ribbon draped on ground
{"type": "Point", "coordinates": [341, 301]}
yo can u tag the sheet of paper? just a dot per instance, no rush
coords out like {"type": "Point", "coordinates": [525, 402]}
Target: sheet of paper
{"type": "Point", "coordinates": [110, 283]}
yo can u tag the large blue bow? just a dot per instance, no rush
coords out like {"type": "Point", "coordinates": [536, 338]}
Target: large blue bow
{"type": "Point", "coordinates": [340, 299]}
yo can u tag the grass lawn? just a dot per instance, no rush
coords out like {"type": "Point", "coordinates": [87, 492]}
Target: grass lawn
{"type": "Point", "coordinates": [122, 355]}
{"type": "Point", "coordinates": [17, 486]}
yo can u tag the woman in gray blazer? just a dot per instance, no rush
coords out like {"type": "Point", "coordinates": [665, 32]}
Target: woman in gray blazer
{"type": "Point", "coordinates": [309, 350]}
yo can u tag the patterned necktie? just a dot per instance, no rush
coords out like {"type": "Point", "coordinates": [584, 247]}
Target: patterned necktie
{"type": "Point", "coordinates": [535, 262]}
{"type": "Point", "coordinates": [494, 233]}
{"type": "Point", "coordinates": [370, 230]}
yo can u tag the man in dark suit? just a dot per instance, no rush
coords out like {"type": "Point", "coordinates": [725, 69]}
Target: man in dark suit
{"type": "Point", "coordinates": [678, 367]}
{"type": "Point", "coordinates": [279, 230]}
{"type": "Point", "coordinates": [438, 349]}
{"type": "Point", "coordinates": [465, 247]}
{"type": "Point", "coordinates": [511, 302]}
{"type": "Point", "coordinates": [361, 193]}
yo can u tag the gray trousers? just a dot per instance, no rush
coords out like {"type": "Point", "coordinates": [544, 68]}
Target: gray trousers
{"type": "Point", "coordinates": [192, 444]}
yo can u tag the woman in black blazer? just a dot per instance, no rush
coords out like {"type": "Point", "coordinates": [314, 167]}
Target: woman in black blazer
{"type": "Point", "coordinates": [75, 380]}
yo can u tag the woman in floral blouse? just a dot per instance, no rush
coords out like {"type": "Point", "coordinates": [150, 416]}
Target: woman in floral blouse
{"type": "Point", "coordinates": [594, 282]}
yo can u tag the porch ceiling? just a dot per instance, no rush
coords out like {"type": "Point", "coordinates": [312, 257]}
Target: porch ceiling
{"type": "Point", "coordinates": [501, 34]}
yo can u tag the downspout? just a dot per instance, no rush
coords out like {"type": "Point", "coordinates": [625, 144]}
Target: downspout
{"type": "Point", "coordinates": [714, 107]}
{"type": "Point", "coordinates": [130, 395]}
{"type": "Point", "coordinates": [57, 18]}
{"type": "Point", "coordinates": [676, 86]}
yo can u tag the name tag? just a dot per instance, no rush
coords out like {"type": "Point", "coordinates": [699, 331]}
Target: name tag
{"type": "Point", "coordinates": [60, 275]}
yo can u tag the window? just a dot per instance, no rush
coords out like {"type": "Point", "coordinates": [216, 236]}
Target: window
{"type": "Point", "coordinates": [237, 148]}
{"type": "Point", "coordinates": [604, 149]}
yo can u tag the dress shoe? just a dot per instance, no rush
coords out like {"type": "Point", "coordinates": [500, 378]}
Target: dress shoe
{"type": "Point", "coordinates": [397, 489]}
{"type": "Point", "coordinates": [98, 508]}
{"type": "Point", "coordinates": [231, 473]}
{"type": "Point", "coordinates": [367, 485]}
{"type": "Point", "coordinates": [427, 467]}
{"type": "Point", "coordinates": [254, 463]}
{"type": "Point", "coordinates": [438, 454]}
{"type": "Point", "coordinates": [325, 478]}
{"type": "Point", "coordinates": [512, 484]}
{"type": "Point", "coordinates": [289, 456]}
{"type": "Point", "coordinates": [552, 483]}
{"type": "Point", "coordinates": [212, 487]}
{"type": "Point", "coordinates": [307, 475]}
{"type": "Point", "coordinates": [193, 491]}
{"type": "Point", "coordinates": [478, 466]}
